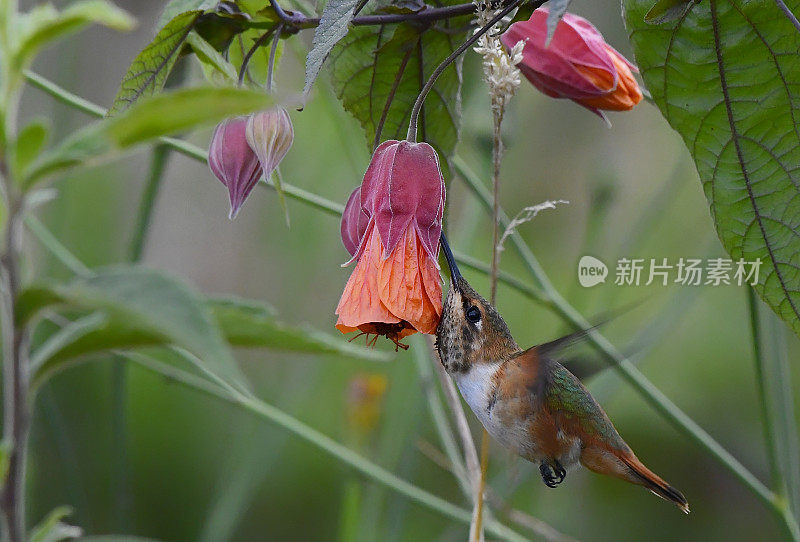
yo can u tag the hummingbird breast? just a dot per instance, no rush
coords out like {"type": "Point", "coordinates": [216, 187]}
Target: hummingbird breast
{"type": "Point", "coordinates": [508, 408]}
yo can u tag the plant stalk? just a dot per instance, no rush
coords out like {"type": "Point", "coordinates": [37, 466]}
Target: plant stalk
{"type": "Point", "coordinates": [16, 404]}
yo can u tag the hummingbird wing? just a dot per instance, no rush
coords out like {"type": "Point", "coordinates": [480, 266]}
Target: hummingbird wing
{"type": "Point", "coordinates": [572, 408]}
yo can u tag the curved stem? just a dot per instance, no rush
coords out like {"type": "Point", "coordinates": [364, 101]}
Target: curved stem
{"type": "Point", "coordinates": [259, 42]}
{"type": "Point", "coordinates": [412, 125]}
{"type": "Point", "coordinates": [272, 51]}
{"type": "Point", "coordinates": [425, 15]}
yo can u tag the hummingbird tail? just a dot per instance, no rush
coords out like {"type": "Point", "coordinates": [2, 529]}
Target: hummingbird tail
{"type": "Point", "coordinates": [647, 478]}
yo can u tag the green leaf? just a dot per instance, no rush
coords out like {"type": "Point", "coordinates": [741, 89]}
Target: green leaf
{"type": "Point", "coordinates": [177, 7]}
{"type": "Point", "coordinates": [377, 75]}
{"type": "Point", "coordinates": [250, 324]}
{"type": "Point", "coordinates": [44, 24]}
{"type": "Point", "coordinates": [142, 305]}
{"type": "Point", "coordinates": [154, 117]}
{"type": "Point", "coordinates": [29, 144]}
{"type": "Point", "coordinates": [332, 28]}
{"type": "Point", "coordinates": [217, 69]}
{"type": "Point", "coordinates": [52, 529]}
{"type": "Point", "coordinates": [148, 72]}
{"type": "Point", "coordinates": [726, 75]}
{"type": "Point", "coordinates": [665, 11]}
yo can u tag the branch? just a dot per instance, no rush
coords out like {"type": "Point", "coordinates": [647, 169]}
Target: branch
{"type": "Point", "coordinates": [427, 14]}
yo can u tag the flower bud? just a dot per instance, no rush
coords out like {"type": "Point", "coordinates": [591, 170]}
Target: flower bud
{"type": "Point", "coordinates": [577, 64]}
{"type": "Point", "coordinates": [270, 134]}
{"type": "Point", "coordinates": [233, 161]}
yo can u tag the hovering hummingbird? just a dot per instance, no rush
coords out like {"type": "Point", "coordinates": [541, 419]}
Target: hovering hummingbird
{"type": "Point", "coordinates": [527, 400]}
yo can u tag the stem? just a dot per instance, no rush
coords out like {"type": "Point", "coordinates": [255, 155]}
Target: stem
{"type": "Point", "coordinates": [273, 50]}
{"type": "Point", "coordinates": [426, 15]}
{"type": "Point", "coordinates": [412, 125]}
{"type": "Point", "coordinates": [16, 406]}
{"type": "Point", "coordinates": [259, 42]}
{"type": "Point", "coordinates": [347, 456]}
{"type": "Point", "coordinates": [158, 163]}
{"type": "Point", "coordinates": [766, 419]}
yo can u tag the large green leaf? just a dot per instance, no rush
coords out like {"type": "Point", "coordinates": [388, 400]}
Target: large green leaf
{"type": "Point", "coordinates": [250, 324]}
{"type": "Point", "coordinates": [378, 72]}
{"type": "Point", "coordinates": [143, 306]}
{"type": "Point", "coordinates": [154, 117]}
{"type": "Point", "coordinates": [148, 72]}
{"type": "Point", "coordinates": [243, 323]}
{"type": "Point", "coordinates": [726, 75]}
{"type": "Point", "coordinates": [44, 24]}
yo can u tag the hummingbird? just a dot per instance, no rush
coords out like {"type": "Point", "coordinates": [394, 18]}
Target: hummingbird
{"type": "Point", "coordinates": [528, 401]}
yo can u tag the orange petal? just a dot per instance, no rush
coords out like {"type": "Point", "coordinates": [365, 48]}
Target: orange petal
{"type": "Point", "coordinates": [360, 302]}
{"type": "Point", "coordinates": [624, 97]}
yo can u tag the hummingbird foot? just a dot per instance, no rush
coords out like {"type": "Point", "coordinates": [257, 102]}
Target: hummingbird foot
{"type": "Point", "coordinates": [552, 474]}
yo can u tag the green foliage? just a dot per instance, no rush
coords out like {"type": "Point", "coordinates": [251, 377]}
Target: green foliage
{"type": "Point", "coordinates": [726, 75]}
{"type": "Point", "coordinates": [155, 117]}
{"type": "Point", "coordinates": [665, 11]}
{"type": "Point", "coordinates": [332, 28]}
{"type": "Point", "coordinates": [30, 142]}
{"type": "Point", "coordinates": [249, 324]}
{"type": "Point", "coordinates": [378, 73]}
{"type": "Point", "coordinates": [143, 306]}
{"type": "Point", "coordinates": [53, 529]}
{"type": "Point", "coordinates": [215, 67]}
{"type": "Point", "coordinates": [149, 70]}
{"type": "Point", "coordinates": [178, 7]}
{"type": "Point", "coordinates": [44, 24]}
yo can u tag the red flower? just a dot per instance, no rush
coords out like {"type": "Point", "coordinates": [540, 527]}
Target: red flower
{"type": "Point", "coordinates": [577, 64]}
{"type": "Point", "coordinates": [391, 226]}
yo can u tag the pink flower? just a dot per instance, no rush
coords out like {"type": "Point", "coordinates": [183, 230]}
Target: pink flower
{"type": "Point", "coordinates": [233, 161]}
{"type": "Point", "coordinates": [244, 149]}
{"type": "Point", "coordinates": [577, 64]}
{"type": "Point", "coordinates": [391, 226]}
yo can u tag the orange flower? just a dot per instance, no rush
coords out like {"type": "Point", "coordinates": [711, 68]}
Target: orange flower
{"type": "Point", "coordinates": [392, 225]}
{"type": "Point", "coordinates": [577, 64]}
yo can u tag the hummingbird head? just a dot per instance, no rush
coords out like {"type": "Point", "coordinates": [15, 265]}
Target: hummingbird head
{"type": "Point", "coordinates": [471, 331]}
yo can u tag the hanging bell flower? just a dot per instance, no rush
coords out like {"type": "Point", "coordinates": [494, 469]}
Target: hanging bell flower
{"type": "Point", "coordinates": [395, 289]}
{"type": "Point", "coordinates": [270, 134]}
{"type": "Point", "coordinates": [577, 64]}
{"type": "Point", "coordinates": [233, 161]}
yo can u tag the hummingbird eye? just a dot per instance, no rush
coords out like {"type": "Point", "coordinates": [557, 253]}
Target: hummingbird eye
{"type": "Point", "coordinates": [473, 314]}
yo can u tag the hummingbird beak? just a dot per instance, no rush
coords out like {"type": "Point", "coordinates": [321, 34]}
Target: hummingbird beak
{"type": "Point", "coordinates": [455, 274]}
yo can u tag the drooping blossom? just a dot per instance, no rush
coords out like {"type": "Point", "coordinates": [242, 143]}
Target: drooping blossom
{"type": "Point", "coordinates": [243, 149]}
{"type": "Point", "coordinates": [391, 227]}
{"type": "Point", "coordinates": [270, 134]}
{"type": "Point", "coordinates": [233, 161]}
{"type": "Point", "coordinates": [577, 64]}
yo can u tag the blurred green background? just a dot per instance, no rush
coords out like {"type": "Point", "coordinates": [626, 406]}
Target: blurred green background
{"type": "Point", "coordinates": [196, 469]}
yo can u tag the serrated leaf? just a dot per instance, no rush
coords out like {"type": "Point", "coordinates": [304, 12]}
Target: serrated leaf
{"type": "Point", "coordinates": [142, 305]}
{"type": "Point", "coordinates": [726, 75]}
{"type": "Point", "coordinates": [665, 11]}
{"type": "Point", "coordinates": [216, 68]}
{"type": "Point", "coordinates": [148, 72]}
{"type": "Point", "coordinates": [250, 324]}
{"type": "Point", "coordinates": [556, 10]}
{"type": "Point", "coordinates": [53, 529]}
{"type": "Point", "coordinates": [333, 25]}
{"type": "Point", "coordinates": [376, 73]}
{"type": "Point", "coordinates": [154, 117]}
{"type": "Point", "coordinates": [44, 24]}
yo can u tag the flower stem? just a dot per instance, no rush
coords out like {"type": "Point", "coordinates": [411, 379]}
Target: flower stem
{"type": "Point", "coordinates": [16, 404]}
{"type": "Point", "coordinates": [412, 125]}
